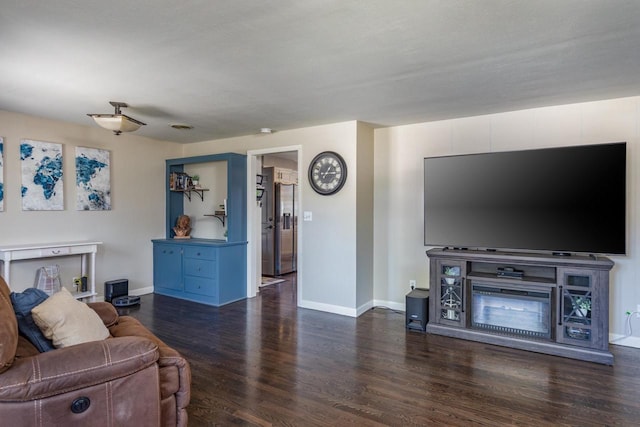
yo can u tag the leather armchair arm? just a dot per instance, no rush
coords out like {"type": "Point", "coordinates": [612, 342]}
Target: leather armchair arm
{"type": "Point", "coordinates": [171, 361]}
{"type": "Point", "coordinates": [175, 372]}
{"type": "Point", "coordinates": [75, 367]}
{"type": "Point", "coordinates": [106, 312]}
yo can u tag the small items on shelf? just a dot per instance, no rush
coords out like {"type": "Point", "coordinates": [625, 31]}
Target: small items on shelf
{"type": "Point", "coordinates": [180, 181]}
{"type": "Point", "coordinates": [221, 213]}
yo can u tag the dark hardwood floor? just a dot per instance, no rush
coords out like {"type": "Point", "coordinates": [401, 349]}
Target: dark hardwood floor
{"type": "Point", "coordinates": [265, 362]}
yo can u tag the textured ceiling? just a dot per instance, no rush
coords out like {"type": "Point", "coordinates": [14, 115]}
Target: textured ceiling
{"type": "Point", "coordinates": [231, 67]}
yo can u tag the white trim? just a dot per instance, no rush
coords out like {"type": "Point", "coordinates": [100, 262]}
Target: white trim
{"type": "Point", "coordinates": [390, 304]}
{"type": "Point", "coordinates": [141, 291]}
{"type": "Point", "coordinates": [253, 268]}
{"type": "Point", "coordinates": [618, 339]}
{"type": "Point", "coordinates": [329, 308]}
{"type": "Point", "coordinates": [364, 308]}
{"type": "Point", "coordinates": [254, 265]}
{"type": "Point", "coordinates": [351, 312]}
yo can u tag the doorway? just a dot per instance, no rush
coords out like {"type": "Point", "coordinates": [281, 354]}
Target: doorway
{"type": "Point", "coordinates": [279, 215]}
{"type": "Point", "coordinates": [274, 231]}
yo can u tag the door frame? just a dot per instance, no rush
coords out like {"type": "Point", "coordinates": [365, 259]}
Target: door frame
{"type": "Point", "coordinates": [254, 236]}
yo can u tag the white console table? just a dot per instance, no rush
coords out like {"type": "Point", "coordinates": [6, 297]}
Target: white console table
{"type": "Point", "coordinates": [50, 250]}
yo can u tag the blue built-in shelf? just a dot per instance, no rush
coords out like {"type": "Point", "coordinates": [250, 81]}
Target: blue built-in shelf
{"type": "Point", "coordinates": [205, 270]}
{"type": "Point", "coordinates": [236, 193]}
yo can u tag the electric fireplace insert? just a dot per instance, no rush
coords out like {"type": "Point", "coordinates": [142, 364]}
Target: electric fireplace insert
{"type": "Point", "coordinates": [511, 311]}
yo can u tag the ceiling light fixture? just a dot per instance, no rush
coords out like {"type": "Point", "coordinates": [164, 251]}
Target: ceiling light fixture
{"type": "Point", "coordinates": [117, 122]}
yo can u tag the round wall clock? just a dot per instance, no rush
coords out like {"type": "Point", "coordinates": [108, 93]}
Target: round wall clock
{"type": "Point", "coordinates": [327, 173]}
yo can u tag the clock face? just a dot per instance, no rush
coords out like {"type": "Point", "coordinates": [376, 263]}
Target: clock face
{"type": "Point", "coordinates": [327, 173]}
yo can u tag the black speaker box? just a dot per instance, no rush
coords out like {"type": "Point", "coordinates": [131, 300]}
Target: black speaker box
{"type": "Point", "coordinates": [417, 309]}
{"type": "Point", "coordinates": [115, 288]}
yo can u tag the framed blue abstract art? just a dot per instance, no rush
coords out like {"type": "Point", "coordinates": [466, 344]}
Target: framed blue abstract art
{"type": "Point", "coordinates": [93, 179]}
{"type": "Point", "coordinates": [42, 185]}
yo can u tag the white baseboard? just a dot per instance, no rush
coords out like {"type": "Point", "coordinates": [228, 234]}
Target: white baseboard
{"type": "Point", "coordinates": [617, 339]}
{"type": "Point", "coordinates": [329, 308]}
{"type": "Point", "coordinates": [390, 304]}
{"type": "Point", "coordinates": [134, 292]}
{"type": "Point", "coordinates": [345, 311]}
{"type": "Point", "coordinates": [141, 291]}
{"type": "Point", "coordinates": [364, 308]}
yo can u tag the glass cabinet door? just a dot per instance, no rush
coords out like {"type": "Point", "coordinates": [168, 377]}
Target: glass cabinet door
{"type": "Point", "coordinates": [576, 308]}
{"type": "Point", "coordinates": [451, 292]}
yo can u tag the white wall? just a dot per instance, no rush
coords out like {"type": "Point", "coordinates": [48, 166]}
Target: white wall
{"type": "Point", "coordinates": [364, 218]}
{"type": "Point", "coordinates": [399, 152]}
{"type": "Point", "coordinates": [328, 251]}
{"type": "Point", "coordinates": [278, 162]}
{"type": "Point", "coordinates": [138, 206]}
{"type": "Point", "coordinates": [213, 177]}
{"type": "Point", "coordinates": [334, 278]}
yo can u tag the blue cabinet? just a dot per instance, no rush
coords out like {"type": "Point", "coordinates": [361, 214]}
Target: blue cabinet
{"type": "Point", "coordinates": [208, 271]}
{"type": "Point", "coordinates": [167, 266]}
{"type": "Point", "coordinates": [201, 270]}
{"type": "Point", "coordinates": [205, 270]}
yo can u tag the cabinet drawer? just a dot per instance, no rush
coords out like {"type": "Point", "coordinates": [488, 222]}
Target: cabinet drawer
{"type": "Point", "coordinates": [166, 250]}
{"type": "Point", "coordinates": [199, 252]}
{"type": "Point", "coordinates": [200, 267]}
{"type": "Point", "coordinates": [200, 285]}
{"type": "Point", "coordinates": [47, 252]}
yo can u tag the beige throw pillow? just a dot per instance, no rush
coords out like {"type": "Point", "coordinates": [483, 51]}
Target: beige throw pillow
{"type": "Point", "coordinates": [67, 321]}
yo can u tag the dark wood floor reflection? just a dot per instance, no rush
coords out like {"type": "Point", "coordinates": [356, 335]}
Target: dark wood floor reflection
{"type": "Point", "coordinates": [264, 362]}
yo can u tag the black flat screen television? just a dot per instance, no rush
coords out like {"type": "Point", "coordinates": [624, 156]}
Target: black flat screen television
{"type": "Point", "coordinates": [566, 199]}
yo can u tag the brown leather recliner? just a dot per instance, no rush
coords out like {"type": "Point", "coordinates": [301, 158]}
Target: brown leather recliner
{"type": "Point", "coordinates": [130, 379]}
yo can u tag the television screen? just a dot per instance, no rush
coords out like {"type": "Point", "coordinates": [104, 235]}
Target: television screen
{"type": "Point", "coordinates": [566, 199]}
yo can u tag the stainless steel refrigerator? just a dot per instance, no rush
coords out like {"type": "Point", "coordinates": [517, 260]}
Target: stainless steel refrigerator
{"type": "Point", "coordinates": [279, 228]}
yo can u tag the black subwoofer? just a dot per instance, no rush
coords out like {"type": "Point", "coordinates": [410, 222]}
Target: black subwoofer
{"type": "Point", "coordinates": [417, 309]}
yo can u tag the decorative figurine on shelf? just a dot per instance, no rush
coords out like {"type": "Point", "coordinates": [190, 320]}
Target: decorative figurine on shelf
{"type": "Point", "coordinates": [183, 227]}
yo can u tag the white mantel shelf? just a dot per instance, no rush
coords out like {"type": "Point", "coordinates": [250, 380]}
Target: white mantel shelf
{"type": "Point", "coordinates": [11, 253]}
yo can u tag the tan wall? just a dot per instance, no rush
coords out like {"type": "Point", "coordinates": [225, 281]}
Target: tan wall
{"type": "Point", "coordinates": [399, 152]}
{"type": "Point", "coordinates": [331, 242]}
{"type": "Point", "coordinates": [328, 251]}
{"type": "Point", "coordinates": [138, 208]}
{"type": "Point", "coordinates": [365, 217]}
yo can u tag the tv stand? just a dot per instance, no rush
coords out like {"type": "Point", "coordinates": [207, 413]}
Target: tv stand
{"type": "Point", "coordinates": [553, 305]}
